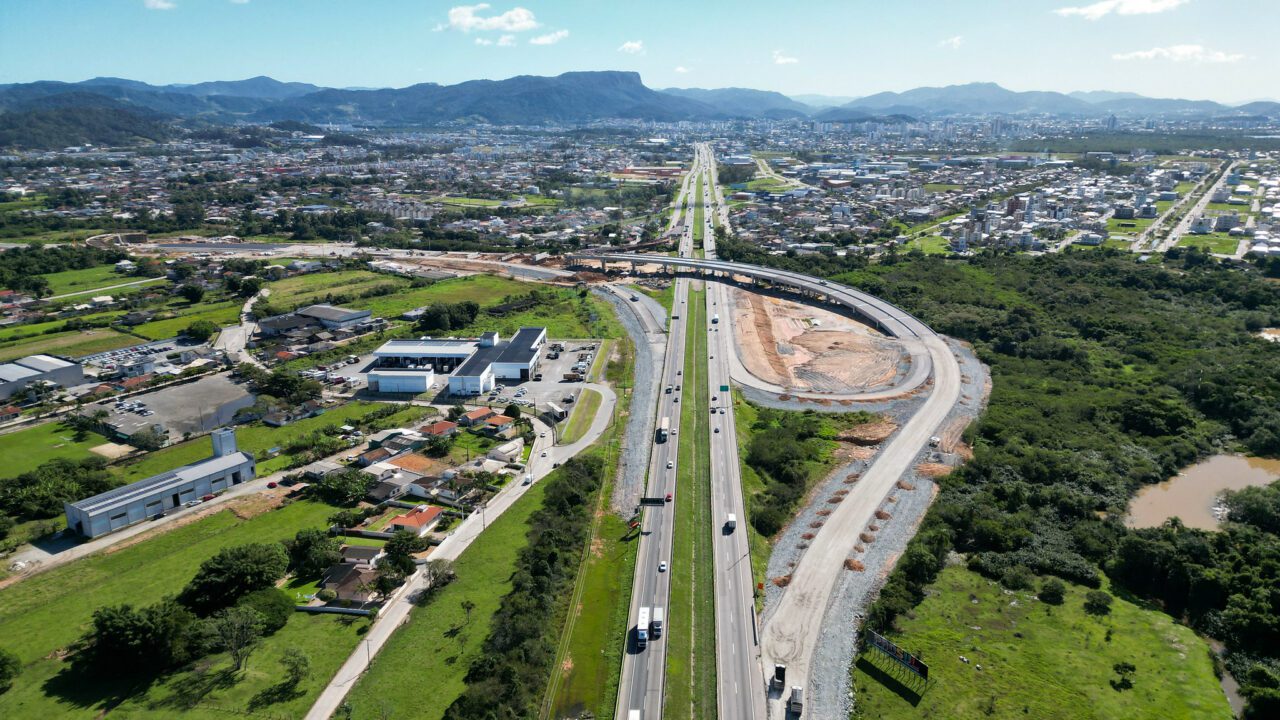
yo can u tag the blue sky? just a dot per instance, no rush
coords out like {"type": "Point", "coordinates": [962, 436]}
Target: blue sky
{"type": "Point", "coordinates": [1214, 49]}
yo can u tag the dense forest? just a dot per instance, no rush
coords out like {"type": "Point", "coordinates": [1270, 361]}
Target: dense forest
{"type": "Point", "coordinates": [1108, 374]}
{"type": "Point", "coordinates": [65, 126]}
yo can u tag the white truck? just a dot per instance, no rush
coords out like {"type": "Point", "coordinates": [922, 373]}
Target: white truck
{"type": "Point", "coordinates": [730, 522]}
{"type": "Point", "coordinates": [642, 628]}
{"type": "Point", "coordinates": [655, 623]}
{"type": "Point", "coordinates": [715, 319]}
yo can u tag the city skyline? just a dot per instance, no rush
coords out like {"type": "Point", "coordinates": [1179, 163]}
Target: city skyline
{"type": "Point", "coordinates": [1157, 48]}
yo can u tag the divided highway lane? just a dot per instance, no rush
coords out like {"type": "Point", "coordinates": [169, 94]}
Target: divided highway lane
{"type": "Point", "coordinates": [643, 678]}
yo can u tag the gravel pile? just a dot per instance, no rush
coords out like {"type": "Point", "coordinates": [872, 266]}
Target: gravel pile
{"type": "Point", "coordinates": [633, 462]}
{"type": "Point", "coordinates": [830, 690]}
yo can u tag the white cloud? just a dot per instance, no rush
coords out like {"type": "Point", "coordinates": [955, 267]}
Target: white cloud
{"type": "Point", "coordinates": [1104, 8]}
{"type": "Point", "coordinates": [632, 47]}
{"type": "Point", "coordinates": [507, 41]}
{"type": "Point", "coordinates": [549, 38]}
{"type": "Point", "coordinates": [682, 69]}
{"type": "Point", "coordinates": [952, 43]}
{"type": "Point", "coordinates": [780, 59]}
{"type": "Point", "coordinates": [483, 41]}
{"type": "Point", "coordinates": [158, 4]}
{"type": "Point", "coordinates": [467, 18]}
{"type": "Point", "coordinates": [1181, 53]}
{"type": "Point", "coordinates": [239, 2]}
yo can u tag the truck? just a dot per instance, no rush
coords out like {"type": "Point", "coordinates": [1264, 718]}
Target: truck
{"type": "Point", "coordinates": [730, 522]}
{"type": "Point", "coordinates": [655, 623]}
{"type": "Point", "coordinates": [796, 703]}
{"type": "Point", "coordinates": [573, 376]}
{"type": "Point", "coordinates": [715, 319]}
{"type": "Point", "coordinates": [642, 629]}
{"type": "Point", "coordinates": [633, 715]}
{"type": "Point", "coordinates": [779, 679]}
{"type": "Point", "coordinates": [664, 429]}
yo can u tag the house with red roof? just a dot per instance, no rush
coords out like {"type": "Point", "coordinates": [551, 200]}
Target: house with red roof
{"type": "Point", "coordinates": [418, 521]}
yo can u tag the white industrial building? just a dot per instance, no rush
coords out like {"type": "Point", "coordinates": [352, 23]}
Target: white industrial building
{"type": "Point", "coordinates": [17, 376]}
{"type": "Point", "coordinates": [147, 498]}
{"type": "Point", "coordinates": [473, 366]}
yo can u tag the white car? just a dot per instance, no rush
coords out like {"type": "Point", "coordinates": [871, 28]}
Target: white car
{"type": "Point", "coordinates": [544, 454]}
{"type": "Point", "coordinates": [662, 566]}
{"type": "Point", "coordinates": [670, 464]}
{"type": "Point", "coordinates": [542, 434]}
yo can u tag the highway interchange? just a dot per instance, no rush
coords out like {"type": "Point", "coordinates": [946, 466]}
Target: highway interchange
{"type": "Point", "coordinates": [744, 649]}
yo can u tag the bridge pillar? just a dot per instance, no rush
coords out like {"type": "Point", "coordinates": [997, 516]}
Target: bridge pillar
{"type": "Point", "coordinates": [633, 267]}
{"type": "Point", "coordinates": [602, 265]}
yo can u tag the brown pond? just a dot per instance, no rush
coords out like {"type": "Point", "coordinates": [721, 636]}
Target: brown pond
{"type": "Point", "coordinates": [1193, 493]}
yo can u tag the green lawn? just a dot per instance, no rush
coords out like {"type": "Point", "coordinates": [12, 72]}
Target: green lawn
{"type": "Point", "coordinates": [26, 202]}
{"type": "Point", "coordinates": [467, 445]}
{"type": "Point", "coordinates": [744, 416]}
{"type": "Point", "coordinates": [665, 296]}
{"type": "Point", "coordinates": [219, 313]}
{"type": "Point", "coordinates": [1039, 661]}
{"type": "Point", "coordinates": [72, 343]}
{"type": "Point", "coordinates": [69, 281]}
{"type": "Point", "coordinates": [698, 209]}
{"type": "Point", "coordinates": [46, 613]}
{"type": "Point", "coordinates": [483, 289]}
{"type": "Point", "coordinates": [691, 650]}
{"type": "Point", "coordinates": [1213, 242]}
{"type": "Point", "coordinates": [313, 288]}
{"type": "Point", "coordinates": [28, 449]}
{"type": "Point", "coordinates": [765, 184]}
{"type": "Point", "coordinates": [931, 245]}
{"type": "Point", "coordinates": [584, 411]}
{"type": "Point", "coordinates": [143, 285]}
{"type": "Point", "coordinates": [440, 641]}
{"type": "Point", "coordinates": [1128, 227]}
{"type": "Point", "coordinates": [941, 187]}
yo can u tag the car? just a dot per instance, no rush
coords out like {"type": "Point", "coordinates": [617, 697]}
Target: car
{"type": "Point", "coordinates": [192, 503]}
{"type": "Point", "coordinates": [670, 464]}
{"type": "Point", "coordinates": [207, 498]}
{"type": "Point", "coordinates": [679, 372]}
{"type": "Point", "coordinates": [721, 411]}
{"type": "Point", "coordinates": [714, 398]}
{"type": "Point", "coordinates": [544, 454]}
{"type": "Point", "coordinates": [272, 485]}
{"type": "Point", "coordinates": [662, 566]}
{"type": "Point", "coordinates": [542, 434]}
{"type": "Point", "coordinates": [159, 515]}
{"type": "Point", "coordinates": [717, 429]}
{"type": "Point", "coordinates": [668, 497]}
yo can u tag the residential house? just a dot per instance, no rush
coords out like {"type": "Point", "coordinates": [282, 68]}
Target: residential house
{"type": "Point", "coordinates": [9, 412]}
{"type": "Point", "coordinates": [418, 521]}
{"type": "Point", "coordinates": [476, 417]}
{"type": "Point", "coordinates": [500, 426]}
{"type": "Point", "coordinates": [361, 555]}
{"type": "Point", "coordinates": [442, 428]}
{"type": "Point", "coordinates": [352, 582]}
{"type": "Point", "coordinates": [509, 451]}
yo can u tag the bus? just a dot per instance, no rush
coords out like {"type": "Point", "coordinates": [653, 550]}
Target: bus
{"type": "Point", "coordinates": [664, 429]}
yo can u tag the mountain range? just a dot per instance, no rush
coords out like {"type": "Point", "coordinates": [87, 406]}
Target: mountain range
{"type": "Point", "coordinates": [570, 98]}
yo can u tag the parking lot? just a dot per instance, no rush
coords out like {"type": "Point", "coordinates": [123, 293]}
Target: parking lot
{"type": "Point", "coordinates": [196, 407]}
{"type": "Point", "coordinates": [158, 350]}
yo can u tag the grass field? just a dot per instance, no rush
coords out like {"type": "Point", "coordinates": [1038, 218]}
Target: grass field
{"type": "Point", "coordinates": [69, 281]}
{"type": "Point", "coordinates": [744, 416]}
{"type": "Point", "coordinates": [1128, 227]}
{"type": "Point", "coordinates": [941, 187]}
{"type": "Point", "coordinates": [1213, 242]}
{"type": "Point", "coordinates": [765, 184]}
{"type": "Point", "coordinates": [144, 285]}
{"type": "Point", "coordinates": [584, 411]}
{"type": "Point", "coordinates": [312, 288]}
{"type": "Point", "coordinates": [665, 296]}
{"type": "Point", "coordinates": [46, 613]}
{"type": "Point", "coordinates": [698, 209]}
{"type": "Point", "coordinates": [931, 245]}
{"type": "Point", "coordinates": [72, 343]}
{"type": "Point", "coordinates": [482, 289]}
{"type": "Point", "coordinates": [691, 650]}
{"type": "Point", "coordinates": [219, 313]}
{"type": "Point", "coordinates": [591, 649]}
{"type": "Point", "coordinates": [26, 450]}
{"type": "Point", "coordinates": [441, 640]}
{"type": "Point", "coordinates": [26, 202]}
{"type": "Point", "coordinates": [1039, 661]}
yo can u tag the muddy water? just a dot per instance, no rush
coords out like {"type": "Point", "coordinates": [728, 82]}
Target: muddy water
{"type": "Point", "coordinates": [1192, 494]}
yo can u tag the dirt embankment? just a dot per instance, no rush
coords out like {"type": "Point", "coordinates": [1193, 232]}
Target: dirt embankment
{"type": "Point", "coordinates": [811, 349]}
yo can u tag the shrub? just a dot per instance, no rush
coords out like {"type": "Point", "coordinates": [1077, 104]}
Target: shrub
{"type": "Point", "coordinates": [274, 605]}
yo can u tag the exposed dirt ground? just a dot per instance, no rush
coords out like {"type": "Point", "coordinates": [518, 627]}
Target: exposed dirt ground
{"type": "Point", "coordinates": [811, 349]}
{"type": "Point", "coordinates": [112, 451]}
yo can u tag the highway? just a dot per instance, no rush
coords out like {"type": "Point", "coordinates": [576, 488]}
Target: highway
{"type": "Point", "coordinates": [795, 626]}
{"type": "Point", "coordinates": [644, 670]}
{"type": "Point", "coordinates": [738, 675]}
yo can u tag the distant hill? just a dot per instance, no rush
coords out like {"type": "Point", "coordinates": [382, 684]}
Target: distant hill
{"type": "Point", "coordinates": [745, 103]}
{"type": "Point", "coordinates": [973, 98]}
{"type": "Point", "coordinates": [1097, 96]}
{"type": "Point", "coordinates": [1261, 107]}
{"type": "Point", "coordinates": [823, 101]}
{"type": "Point", "coordinates": [1159, 106]}
{"type": "Point", "coordinates": [127, 92]}
{"type": "Point", "coordinates": [79, 122]}
{"type": "Point", "coordinates": [568, 98]}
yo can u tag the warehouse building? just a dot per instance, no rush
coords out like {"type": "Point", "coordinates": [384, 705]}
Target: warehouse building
{"type": "Point", "coordinates": [473, 366]}
{"type": "Point", "coordinates": [17, 376]}
{"type": "Point", "coordinates": [147, 498]}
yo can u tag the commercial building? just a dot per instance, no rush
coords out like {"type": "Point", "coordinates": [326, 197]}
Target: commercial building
{"type": "Point", "coordinates": [473, 366]}
{"type": "Point", "coordinates": [17, 376]}
{"type": "Point", "coordinates": [334, 318]}
{"type": "Point", "coordinates": [143, 499]}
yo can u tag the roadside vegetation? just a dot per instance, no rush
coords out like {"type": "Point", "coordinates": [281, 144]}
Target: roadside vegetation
{"type": "Point", "coordinates": [1108, 374]}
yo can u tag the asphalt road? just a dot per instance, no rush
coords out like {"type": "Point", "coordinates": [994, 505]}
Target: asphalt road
{"type": "Point", "coordinates": [644, 670]}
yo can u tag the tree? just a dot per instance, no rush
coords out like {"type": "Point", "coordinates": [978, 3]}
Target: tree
{"type": "Point", "coordinates": [10, 666]}
{"type": "Point", "coordinates": [399, 552]}
{"type": "Point", "coordinates": [123, 640]}
{"type": "Point", "coordinates": [191, 293]}
{"type": "Point", "coordinates": [148, 439]}
{"type": "Point", "coordinates": [512, 411]}
{"type": "Point", "coordinates": [438, 573]}
{"type": "Point", "coordinates": [345, 488]}
{"type": "Point", "coordinates": [467, 607]}
{"type": "Point", "coordinates": [297, 666]}
{"type": "Point", "coordinates": [249, 287]}
{"type": "Point", "coordinates": [1097, 602]}
{"type": "Point", "coordinates": [1053, 591]}
{"type": "Point", "coordinates": [237, 631]}
{"type": "Point", "coordinates": [233, 573]}
{"type": "Point", "coordinates": [311, 552]}
{"type": "Point", "coordinates": [201, 330]}
{"type": "Point", "coordinates": [273, 605]}
{"type": "Point", "coordinates": [456, 412]}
